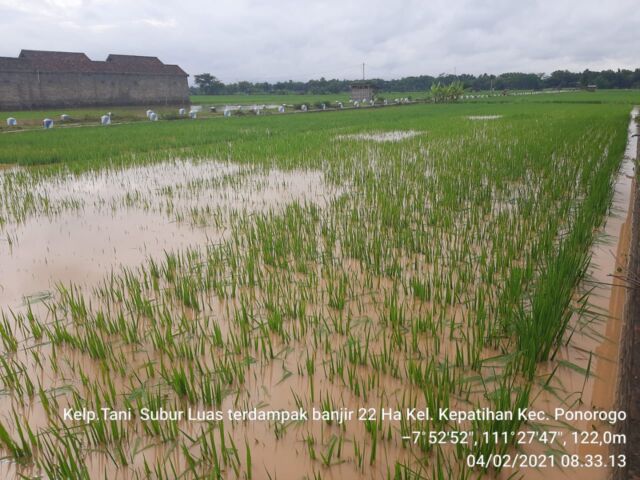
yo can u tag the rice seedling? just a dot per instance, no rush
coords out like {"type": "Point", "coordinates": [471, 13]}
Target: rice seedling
{"type": "Point", "coordinates": [322, 268]}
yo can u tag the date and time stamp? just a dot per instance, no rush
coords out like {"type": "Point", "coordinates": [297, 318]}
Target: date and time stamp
{"type": "Point", "coordinates": [559, 445]}
{"type": "Point", "coordinates": [561, 438]}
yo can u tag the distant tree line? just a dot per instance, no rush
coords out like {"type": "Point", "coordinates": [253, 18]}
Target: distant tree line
{"type": "Point", "coordinates": [208, 84]}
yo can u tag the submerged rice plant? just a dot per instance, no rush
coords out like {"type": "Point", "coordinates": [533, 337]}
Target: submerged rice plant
{"type": "Point", "coordinates": [327, 265]}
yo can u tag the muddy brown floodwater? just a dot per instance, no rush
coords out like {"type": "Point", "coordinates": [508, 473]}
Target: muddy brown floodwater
{"type": "Point", "coordinates": [131, 214]}
{"type": "Point", "coordinates": [128, 216]}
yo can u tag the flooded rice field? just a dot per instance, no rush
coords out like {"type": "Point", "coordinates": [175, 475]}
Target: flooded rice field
{"type": "Point", "coordinates": [395, 136]}
{"type": "Point", "coordinates": [484, 117]}
{"type": "Point", "coordinates": [119, 218]}
{"type": "Point", "coordinates": [386, 315]}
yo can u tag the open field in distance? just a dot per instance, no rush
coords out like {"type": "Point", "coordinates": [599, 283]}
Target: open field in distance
{"type": "Point", "coordinates": [29, 119]}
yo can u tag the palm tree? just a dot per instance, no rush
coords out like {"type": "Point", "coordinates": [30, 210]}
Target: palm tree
{"type": "Point", "coordinates": [455, 91]}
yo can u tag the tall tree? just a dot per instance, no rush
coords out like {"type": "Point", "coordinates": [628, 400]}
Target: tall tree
{"type": "Point", "coordinates": [208, 84]}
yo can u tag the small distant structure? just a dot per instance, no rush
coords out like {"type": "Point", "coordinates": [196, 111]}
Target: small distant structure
{"type": "Point", "coordinates": [591, 88]}
{"type": "Point", "coordinates": [193, 114]}
{"type": "Point", "coordinates": [182, 112]}
{"type": "Point", "coordinates": [12, 122]}
{"type": "Point", "coordinates": [362, 92]}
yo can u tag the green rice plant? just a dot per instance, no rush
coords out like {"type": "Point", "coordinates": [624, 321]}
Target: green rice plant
{"type": "Point", "coordinates": [9, 340]}
{"type": "Point", "coordinates": [334, 447]}
{"type": "Point", "coordinates": [436, 270]}
{"type": "Point", "coordinates": [22, 449]}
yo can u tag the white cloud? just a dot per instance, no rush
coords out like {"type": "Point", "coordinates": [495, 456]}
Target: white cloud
{"type": "Point", "coordinates": [64, 4]}
{"type": "Point", "coordinates": [279, 40]}
{"type": "Point", "coordinates": [158, 23]}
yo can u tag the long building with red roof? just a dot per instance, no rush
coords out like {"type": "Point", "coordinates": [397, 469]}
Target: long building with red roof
{"type": "Point", "coordinates": [41, 79]}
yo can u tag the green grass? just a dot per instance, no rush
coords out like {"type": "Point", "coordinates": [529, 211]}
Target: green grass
{"type": "Point", "coordinates": [441, 272]}
{"type": "Point", "coordinates": [91, 115]}
{"type": "Point", "coordinates": [292, 98]}
{"type": "Point", "coordinates": [243, 137]}
{"type": "Point", "coordinates": [84, 116]}
{"type": "Point", "coordinates": [29, 119]}
{"type": "Point", "coordinates": [599, 96]}
{"type": "Point", "coordinates": [623, 97]}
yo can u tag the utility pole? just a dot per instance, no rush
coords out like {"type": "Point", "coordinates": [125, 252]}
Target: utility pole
{"type": "Point", "coordinates": [363, 71]}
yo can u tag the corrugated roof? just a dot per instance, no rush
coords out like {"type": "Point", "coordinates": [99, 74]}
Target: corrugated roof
{"type": "Point", "coordinates": [138, 59]}
{"type": "Point", "coordinates": [45, 61]}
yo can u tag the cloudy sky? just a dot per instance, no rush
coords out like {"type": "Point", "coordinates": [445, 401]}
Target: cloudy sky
{"type": "Point", "coordinates": [262, 40]}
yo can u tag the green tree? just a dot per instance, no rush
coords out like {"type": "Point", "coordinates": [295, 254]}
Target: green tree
{"type": "Point", "coordinates": [208, 84]}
